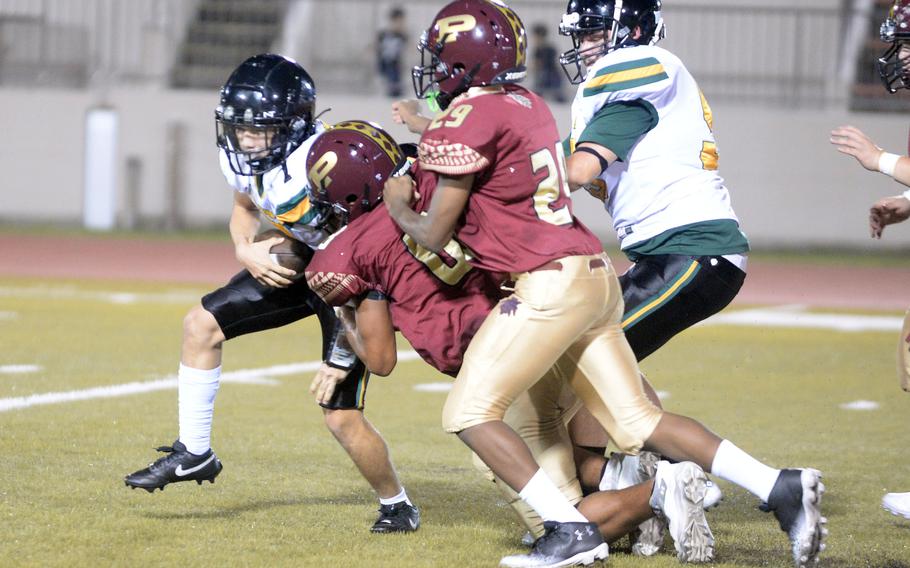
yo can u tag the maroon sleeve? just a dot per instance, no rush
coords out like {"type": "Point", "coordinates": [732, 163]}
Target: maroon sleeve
{"type": "Point", "coordinates": [460, 141]}
{"type": "Point", "coordinates": [333, 273]}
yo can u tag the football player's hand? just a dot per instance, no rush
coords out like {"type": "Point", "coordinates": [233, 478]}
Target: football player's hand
{"type": "Point", "coordinates": [851, 141]}
{"type": "Point", "coordinates": [256, 259]}
{"type": "Point", "coordinates": [325, 381]}
{"type": "Point", "coordinates": [886, 212]}
{"type": "Point", "coordinates": [407, 112]}
{"type": "Point", "coordinates": [597, 189]}
{"type": "Point", "coordinates": [400, 191]}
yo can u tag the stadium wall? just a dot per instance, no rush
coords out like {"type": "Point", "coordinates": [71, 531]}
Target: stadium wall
{"type": "Point", "coordinates": [789, 186]}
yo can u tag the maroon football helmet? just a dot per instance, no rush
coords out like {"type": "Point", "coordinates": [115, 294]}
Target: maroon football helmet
{"type": "Point", "coordinates": [893, 66]}
{"type": "Point", "coordinates": [471, 43]}
{"type": "Point", "coordinates": [347, 167]}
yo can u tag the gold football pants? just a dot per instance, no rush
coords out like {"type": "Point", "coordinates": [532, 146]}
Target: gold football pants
{"type": "Point", "coordinates": [565, 315]}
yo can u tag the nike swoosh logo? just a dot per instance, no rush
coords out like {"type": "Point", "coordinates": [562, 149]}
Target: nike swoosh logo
{"type": "Point", "coordinates": [180, 472]}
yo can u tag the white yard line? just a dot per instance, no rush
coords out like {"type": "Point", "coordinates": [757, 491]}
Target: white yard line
{"type": "Point", "coordinates": [860, 405]}
{"type": "Point", "coordinates": [433, 387]}
{"type": "Point", "coordinates": [18, 369]}
{"type": "Point", "coordinates": [6, 316]}
{"type": "Point", "coordinates": [261, 376]}
{"type": "Point", "coordinates": [74, 293]}
{"type": "Point", "coordinates": [792, 317]}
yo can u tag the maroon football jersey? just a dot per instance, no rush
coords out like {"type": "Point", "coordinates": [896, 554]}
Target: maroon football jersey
{"type": "Point", "coordinates": [436, 303]}
{"type": "Point", "coordinates": [519, 215]}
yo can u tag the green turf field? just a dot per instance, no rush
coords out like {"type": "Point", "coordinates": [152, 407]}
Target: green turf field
{"type": "Point", "coordinates": [288, 495]}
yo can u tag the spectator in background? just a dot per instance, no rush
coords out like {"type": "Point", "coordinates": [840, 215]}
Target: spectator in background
{"type": "Point", "coordinates": [389, 48]}
{"type": "Point", "coordinates": [546, 73]}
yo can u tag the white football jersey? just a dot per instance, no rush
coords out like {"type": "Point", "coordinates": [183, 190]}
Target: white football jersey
{"type": "Point", "coordinates": [285, 203]}
{"type": "Point", "coordinates": [670, 176]}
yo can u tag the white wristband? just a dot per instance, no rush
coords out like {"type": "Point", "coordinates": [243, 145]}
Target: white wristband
{"type": "Point", "coordinates": [906, 195]}
{"type": "Point", "coordinates": [887, 162]}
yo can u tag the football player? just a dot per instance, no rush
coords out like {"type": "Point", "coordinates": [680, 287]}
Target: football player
{"type": "Point", "coordinates": [265, 124]}
{"type": "Point", "coordinates": [894, 69]}
{"type": "Point", "coordinates": [381, 280]}
{"type": "Point", "coordinates": [641, 142]}
{"type": "Point", "coordinates": [501, 192]}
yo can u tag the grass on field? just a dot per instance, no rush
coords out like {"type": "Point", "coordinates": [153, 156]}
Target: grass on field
{"type": "Point", "coordinates": [288, 495]}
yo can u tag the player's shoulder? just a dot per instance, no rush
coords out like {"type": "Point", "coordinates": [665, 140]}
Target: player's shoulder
{"type": "Point", "coordinates": [332, 273]}
{"type": "Point", "coordinates": [296, 160]}
{"type": "Point", "coordinates": [631, 73]}
{"type": "Point", "coordinates": [342, 267]}
{"type": "Point", "coordinates": [500, 103]}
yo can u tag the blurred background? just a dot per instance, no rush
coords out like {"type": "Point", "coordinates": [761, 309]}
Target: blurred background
{"type": "Point", "coordinates": [107, 105]}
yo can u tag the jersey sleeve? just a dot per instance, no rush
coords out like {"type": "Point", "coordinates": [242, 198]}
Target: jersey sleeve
{"type": "Point", "coordinates": [460, 141]}
{"type": "Point", "coordinates": [627, 80]}
{"type": "Point", "coordinates": [618, 126]}
{"type": "Point", "coordinates": [333, 275]}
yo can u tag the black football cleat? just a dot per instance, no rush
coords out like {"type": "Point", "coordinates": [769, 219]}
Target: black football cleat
{"type": "Point", "coordinates": [795, 501]}
{"type": "Point", "coordinates": [177, 465]}
{"type": "Point", "coordinates": [562, 544]}
{"type": "Point", "coordinates": [399, 517]}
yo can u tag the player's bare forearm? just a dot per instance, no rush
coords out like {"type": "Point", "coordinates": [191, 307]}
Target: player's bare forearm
{"type": "Point", "coordinates": [417, 124]}
{"type": "Point", "coordinates": [434, 229]}
{"type": "Point", "coordinates": [244, 223]}
{"type": "Point", "coordinates": [370, 333]}
{"type": "Point", "coordinates": [419, 227]}
{"type": "Point", "coordinates": [407, 112]}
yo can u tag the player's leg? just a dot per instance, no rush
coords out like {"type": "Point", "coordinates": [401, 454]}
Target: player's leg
{"type": "Point", "coordinates": [666, 294]}
{"type": "Point", "coordinates": [368, 450]}
{"type": "Point", "coordinates": [591, 440]}
{"type": "Point", "coordinates": [539, 416]}
{"type": "Point", "coordinates": [242, 306]}
{"type": "Point", "coordinates": [899, 503]}
{"type": "Point", "coordinates": [517, 343]}
{"type": "Point", "coordinates": [663, 295]}
{"type": "Point", "coordinates": [676, 493]}
{"type": "Point", "coordinates": [794, 495]}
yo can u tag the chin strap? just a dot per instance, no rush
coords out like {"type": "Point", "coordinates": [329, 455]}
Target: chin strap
{"type": "Point", "coordinates": [445, 99]}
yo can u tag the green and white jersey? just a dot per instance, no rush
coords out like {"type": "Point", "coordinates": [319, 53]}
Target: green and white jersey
{"type": "Point", "coordinates": [283, 200]}
{"type": "Point", "coordinates": [642, 104]}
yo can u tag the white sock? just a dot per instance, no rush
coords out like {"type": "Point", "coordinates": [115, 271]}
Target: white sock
{"type": "Point", "coordinates": [733, 464]}
{"type": "Point", "coordinates": [196, 390]}
{"type": "Point", "coordinates": [544, 497]}
{"type": "Point", "coordinates": [403, 496]}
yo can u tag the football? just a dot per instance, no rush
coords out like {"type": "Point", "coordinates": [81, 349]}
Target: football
{"type": "Point", "coordinates": [289, 253]}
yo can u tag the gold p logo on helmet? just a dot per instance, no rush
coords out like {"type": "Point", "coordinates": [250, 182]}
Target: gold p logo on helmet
{"type": "Point", "coordinates": [449, 27]}
{"type": "Point", "coordinates": [319, 173]}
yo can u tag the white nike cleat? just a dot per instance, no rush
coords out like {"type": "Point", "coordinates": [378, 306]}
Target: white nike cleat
{"type": "Point", "coordinates": [897, 504]}
{"type": "Point", "coordinates": [679, 494]}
